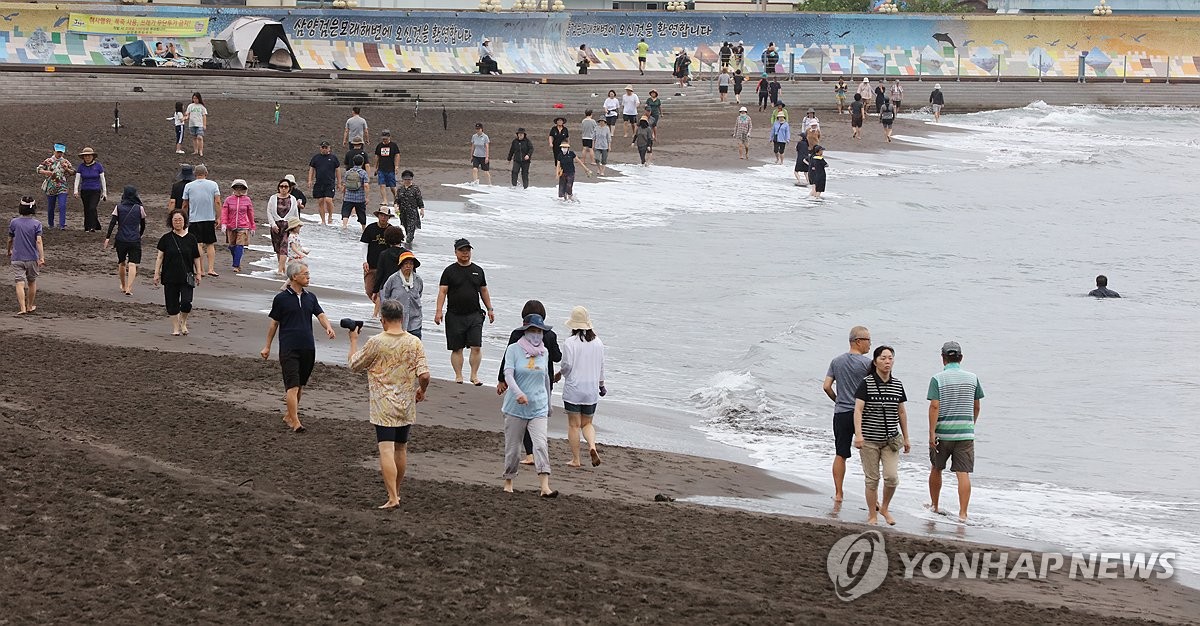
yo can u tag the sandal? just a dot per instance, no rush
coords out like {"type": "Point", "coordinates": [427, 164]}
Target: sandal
{"type": "Point", "coordinates": [552, 494]}
{"type": "Point", "coordinates": [214, 274]}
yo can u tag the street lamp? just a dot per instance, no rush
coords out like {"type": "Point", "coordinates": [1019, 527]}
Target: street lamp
{"type": "Point", "coordinates": [1102, 9]}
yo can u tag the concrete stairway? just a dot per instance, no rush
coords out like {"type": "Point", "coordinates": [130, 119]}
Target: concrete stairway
{"type": "Point", "coordinates": [527, 94]}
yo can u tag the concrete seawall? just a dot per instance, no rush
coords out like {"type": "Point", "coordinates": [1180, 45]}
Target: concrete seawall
{"type": "Point", "coordinates": [547, 43]}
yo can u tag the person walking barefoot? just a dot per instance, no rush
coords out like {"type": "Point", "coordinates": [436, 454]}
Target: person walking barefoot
{"type": "Point", "coordinates": [395, 363]}
{"type": "Point", "coordinates": [880, 430]}
{"type": "Point", "coordinates": [583, 369]}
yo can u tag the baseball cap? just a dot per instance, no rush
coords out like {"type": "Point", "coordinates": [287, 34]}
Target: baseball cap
{"type": "Point", "coordinates": [951, 348]}
{"type": "Point", "coordinates": [386, 133]}
{"type": "Point", "coordinates": [478, 125]}
{"type": "Point", "coordinates": [742, 110]}
{"type": "Point", "coordinates": [520, 130]}
{"type": "Point", "coordinates": [324, 144]}
{"type": "Point", "coordinates": [459, 244]}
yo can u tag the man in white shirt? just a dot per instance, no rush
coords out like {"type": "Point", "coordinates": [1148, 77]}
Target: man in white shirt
{"type": "Point", "coordinates": [629, 111]}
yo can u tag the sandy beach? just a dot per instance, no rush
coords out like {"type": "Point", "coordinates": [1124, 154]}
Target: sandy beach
{"type": "Point", "coordinates": [151, 477]}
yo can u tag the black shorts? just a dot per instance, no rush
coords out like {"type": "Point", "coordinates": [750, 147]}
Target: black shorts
{"type": "Point", "coordinates": [205, 232]}
{"type": "Point", "coordinates": [324, 191]}
{"type": "Point", "coordinates": [886, 123]}
{"type": "Point", "coordinates": [632, 119]}
{"type": "Point", "coordinates": [641, 59]}
{"type": "Point", "coordinates": [801, 166]}
{"type": "Point", "coordinates": [587, 143]}
{"type": "Point", "coordinates": [356, 207]}
{"type": "Point", "coordinates": [480, 162]}
{"type": "Point", "coordinates": [464, 331]}
{"type": "Point", "coordinates": [297, 366]}
{"type": "Point", "coordinates": [780, 147]}
{"type": "Point", "coordinates": [843, 433]}
{"type": "Point", "coordinates": [398, 434]}
{"type": "Point", "coordinates": [856, 121]}
{"type": "Point", "coordinates": [582, 409]}
{"type": "Point", "coordinates": [129, 252]}
{"type": "Point", "coordinates": [724, 89]}
{"type": "Point", "coordinates": [737, 90]}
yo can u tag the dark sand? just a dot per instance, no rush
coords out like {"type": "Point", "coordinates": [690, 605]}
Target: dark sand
{"type": "Point", "coordinates": [149, 478]}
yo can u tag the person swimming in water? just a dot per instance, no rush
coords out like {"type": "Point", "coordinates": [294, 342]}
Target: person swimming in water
{"type": "Point", "coordinates": [1102, 290]}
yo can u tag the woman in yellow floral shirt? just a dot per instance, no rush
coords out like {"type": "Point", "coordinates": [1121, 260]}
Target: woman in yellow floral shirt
{"type": "Point", "coordinates": [394, 361]}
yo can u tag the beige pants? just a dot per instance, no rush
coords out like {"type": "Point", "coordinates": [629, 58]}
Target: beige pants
{"type": "Point", "coordinates": [874, 452]}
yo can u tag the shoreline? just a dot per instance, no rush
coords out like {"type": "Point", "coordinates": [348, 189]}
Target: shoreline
{"type": "Point", "coordinates": [182, 415]}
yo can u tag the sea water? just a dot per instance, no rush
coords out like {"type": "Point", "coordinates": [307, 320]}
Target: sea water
{"type": "Point", "coordinates": [726, 293]}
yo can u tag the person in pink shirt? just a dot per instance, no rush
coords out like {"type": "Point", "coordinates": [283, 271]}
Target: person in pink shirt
{"type": "Point", "coordinates": [237, 221]}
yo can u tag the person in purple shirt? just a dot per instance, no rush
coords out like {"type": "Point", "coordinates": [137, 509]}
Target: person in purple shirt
{"type": "Point", "coordinates": [90, 187]}
{"type": "Point", "coordinates": [26, 253]}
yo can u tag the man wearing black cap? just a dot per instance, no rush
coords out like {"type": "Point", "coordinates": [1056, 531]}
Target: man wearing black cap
{"type": "Point", "coordinates": [386, 154]}
{"type": "Point", "coordinates": [323, 177]}
{"type": "Point", "coordinates": [519, 154]}
{"type": "Point", "coordinates": [356, 148]}
{"type": "Point", "coordinates": [461, 288]}
{"type": "Point", "coordinates": [186, 175]}
{"type": "Point", "coordinates": [954, 395]}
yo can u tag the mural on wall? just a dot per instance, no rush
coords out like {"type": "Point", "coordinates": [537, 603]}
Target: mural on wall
{"type": "Point", "coordinates": [545, 43]}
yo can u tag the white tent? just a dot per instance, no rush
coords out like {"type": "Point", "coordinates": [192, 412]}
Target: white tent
{"type": "Point", "coordinates": [262, 37]}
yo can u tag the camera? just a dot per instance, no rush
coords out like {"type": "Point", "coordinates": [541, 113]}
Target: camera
{"type": "Point", "coordinates": [352, 324]}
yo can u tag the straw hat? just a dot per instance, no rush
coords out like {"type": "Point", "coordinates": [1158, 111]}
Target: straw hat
{"type": "Point", "coordinates": [628, 87]}
{"type": "Point", "coordinates": [386, 209]}
{"type": "Point", "coordinates": [87, 151]}
{"type": "Point", "coordinates": [294, 222]}
{"type": "Point", "coordinates": [580, 320]}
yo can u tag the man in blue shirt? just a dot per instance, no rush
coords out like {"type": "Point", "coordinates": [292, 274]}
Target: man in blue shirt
{"type": "Point", "coordinates": [201, 201]}
{"type": "Point", "coordinates": [291, 315]}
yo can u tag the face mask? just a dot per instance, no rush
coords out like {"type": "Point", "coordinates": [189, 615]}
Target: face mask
{"type": "Point", "coordinates": [533, 338]}
{"type": "Point", "coordinates": [564, 150]}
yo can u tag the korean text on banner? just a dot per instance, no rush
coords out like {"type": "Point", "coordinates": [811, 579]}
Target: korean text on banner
{"type": "Point", "coordinates": [122, 25]}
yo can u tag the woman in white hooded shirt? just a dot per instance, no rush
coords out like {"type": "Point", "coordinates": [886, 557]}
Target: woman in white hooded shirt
{"type": "Point", "coordinates": [583, 368]}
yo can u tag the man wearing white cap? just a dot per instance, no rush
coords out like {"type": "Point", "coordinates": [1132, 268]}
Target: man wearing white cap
{"type": "Point", "coordinates": [629, 111]}
{"type": "Point", "coordinates": [937, 101]}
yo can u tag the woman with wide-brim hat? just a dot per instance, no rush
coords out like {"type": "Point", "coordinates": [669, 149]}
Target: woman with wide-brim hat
{"type": "Point", "coordinates": [526, 405]}
{"type": "Point", "coordinates": [237, 221]}
{"type": "Point", "coordinates": [406, 287]}
{"type": "Point", "coordinates": [90, 187]}
{"type": "Point", "coordinates": [583, 368]}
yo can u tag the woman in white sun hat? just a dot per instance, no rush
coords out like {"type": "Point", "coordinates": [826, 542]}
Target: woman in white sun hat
{"type": "Point", "coordinates": [583, 368]}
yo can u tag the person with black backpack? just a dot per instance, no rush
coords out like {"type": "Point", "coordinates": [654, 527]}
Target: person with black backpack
{"type": "Point", "coordinates": [355, 188]}
{"type": "Point", "coordinates": [887, 115]}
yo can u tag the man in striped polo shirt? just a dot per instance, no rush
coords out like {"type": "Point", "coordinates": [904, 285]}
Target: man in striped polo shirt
{"type": "Point", "coordinates": [954, 395]}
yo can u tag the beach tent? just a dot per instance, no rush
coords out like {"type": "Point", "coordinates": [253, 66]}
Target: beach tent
{"type": "Point", "coordinates": [259, 36]}
{"type": "Point", "coordinates": [134, 52]}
